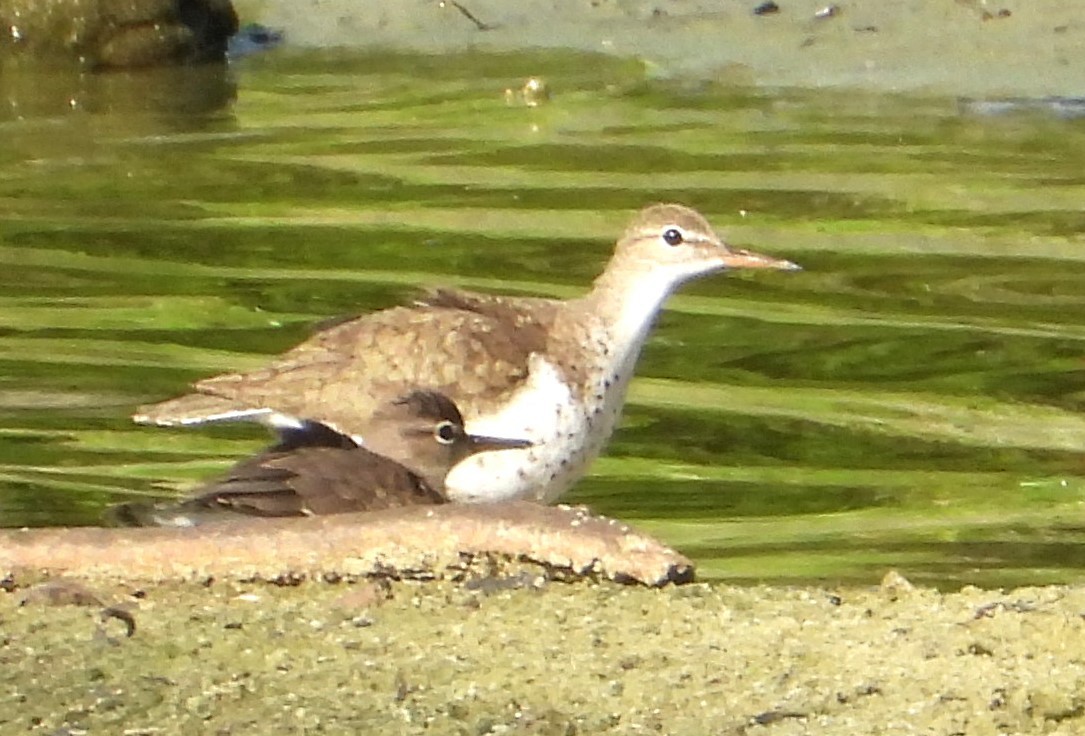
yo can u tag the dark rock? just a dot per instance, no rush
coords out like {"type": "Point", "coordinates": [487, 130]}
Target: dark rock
{"type": "Point", "coordinates": [117, 33]}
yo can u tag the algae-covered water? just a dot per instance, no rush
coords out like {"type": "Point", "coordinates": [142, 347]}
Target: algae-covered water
{"type": "Point", "coordinates": [910, 400]}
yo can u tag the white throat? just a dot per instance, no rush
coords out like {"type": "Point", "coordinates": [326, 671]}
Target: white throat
{"type": "Point", "coordinates": [630, 312]}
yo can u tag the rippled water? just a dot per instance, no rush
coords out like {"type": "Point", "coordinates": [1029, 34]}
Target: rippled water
{"type": "Point", "coordinates": [909, 401]}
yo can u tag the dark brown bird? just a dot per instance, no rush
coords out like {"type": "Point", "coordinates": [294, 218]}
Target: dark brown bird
{"type": "Point", "coordinates": [411, 444]}
{"type": "Point", "coordinates": [550, 371]}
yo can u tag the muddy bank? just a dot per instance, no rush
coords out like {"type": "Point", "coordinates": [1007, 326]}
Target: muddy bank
{"type": "Point", "coordinates": [550, 658]}
{"type": "Point", "coordinates": [419, 542]}
{"type": "Point", "coordinates": [966, 47]}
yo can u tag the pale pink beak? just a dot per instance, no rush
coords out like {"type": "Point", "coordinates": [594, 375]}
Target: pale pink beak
{"type": "Point", "coordinates": [740, 258]}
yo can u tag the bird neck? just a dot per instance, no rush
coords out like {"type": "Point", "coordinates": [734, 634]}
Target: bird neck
{"type": "Point", "coordinates": [627, 302]}
{"type": "Point", "coordinates": [418, 461]}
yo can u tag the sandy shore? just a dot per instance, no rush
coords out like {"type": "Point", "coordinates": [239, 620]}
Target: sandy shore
{"type": "Point", "coordinates": [548, 658]}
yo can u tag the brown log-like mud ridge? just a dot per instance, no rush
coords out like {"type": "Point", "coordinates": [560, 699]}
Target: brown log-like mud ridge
{"type": "Point", "coordinates": [412, 543]}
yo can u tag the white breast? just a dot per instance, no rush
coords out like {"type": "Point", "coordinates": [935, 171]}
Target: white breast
{"type": "Point", "coordinates": [567, 437]}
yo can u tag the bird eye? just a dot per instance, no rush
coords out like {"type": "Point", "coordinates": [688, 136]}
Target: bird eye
{"type": "Point", "coordinates": [673, 236]}
{"type": "Point", "coordinates": [446, 433]}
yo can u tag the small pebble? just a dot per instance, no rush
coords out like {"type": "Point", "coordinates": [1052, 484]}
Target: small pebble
{"type": "Point", "coordinates": [895, 586]}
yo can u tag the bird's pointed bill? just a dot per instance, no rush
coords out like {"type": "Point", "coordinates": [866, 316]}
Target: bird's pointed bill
{"type": "Point", "coordinates": [741, 258]}
{"type": "Point", "coordinates": [483, 443]}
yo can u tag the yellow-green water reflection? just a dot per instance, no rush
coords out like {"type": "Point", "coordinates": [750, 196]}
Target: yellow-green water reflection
{"type": "Point", "coordinates": [910, 400]}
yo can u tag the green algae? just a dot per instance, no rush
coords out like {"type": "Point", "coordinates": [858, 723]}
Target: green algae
{"type": "Point", "coordinates": [552, 659]}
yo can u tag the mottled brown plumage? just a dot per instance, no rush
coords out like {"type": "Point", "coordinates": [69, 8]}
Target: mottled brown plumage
{"type": "Point", "coordinates": [554, 372]}
{"type": "Point", "coordinates": [455, 342]}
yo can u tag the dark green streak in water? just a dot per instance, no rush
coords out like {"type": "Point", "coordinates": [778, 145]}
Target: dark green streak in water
{"type": "Point", "coordinates": [908, 401]}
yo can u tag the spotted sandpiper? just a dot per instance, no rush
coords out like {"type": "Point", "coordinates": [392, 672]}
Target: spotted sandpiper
{"type": "Point", "coordinates": [411, 444]}
{"type": "Point", "coordinates": [552, 372]}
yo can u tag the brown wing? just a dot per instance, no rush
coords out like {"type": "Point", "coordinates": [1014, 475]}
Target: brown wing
{"type": "Point", "coordinates": [464, 345]}
{"type": "Point", "coordinates": [315, 480]}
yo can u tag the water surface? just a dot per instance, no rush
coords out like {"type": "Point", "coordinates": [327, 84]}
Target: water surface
{"type": "Point", "coordinates": [911, 400]}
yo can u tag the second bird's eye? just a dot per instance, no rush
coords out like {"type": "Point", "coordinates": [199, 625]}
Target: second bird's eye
{"type": "Point", "coordinates": [445, 432]}
{"type": "Point", "coordinates": [672, 236]}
